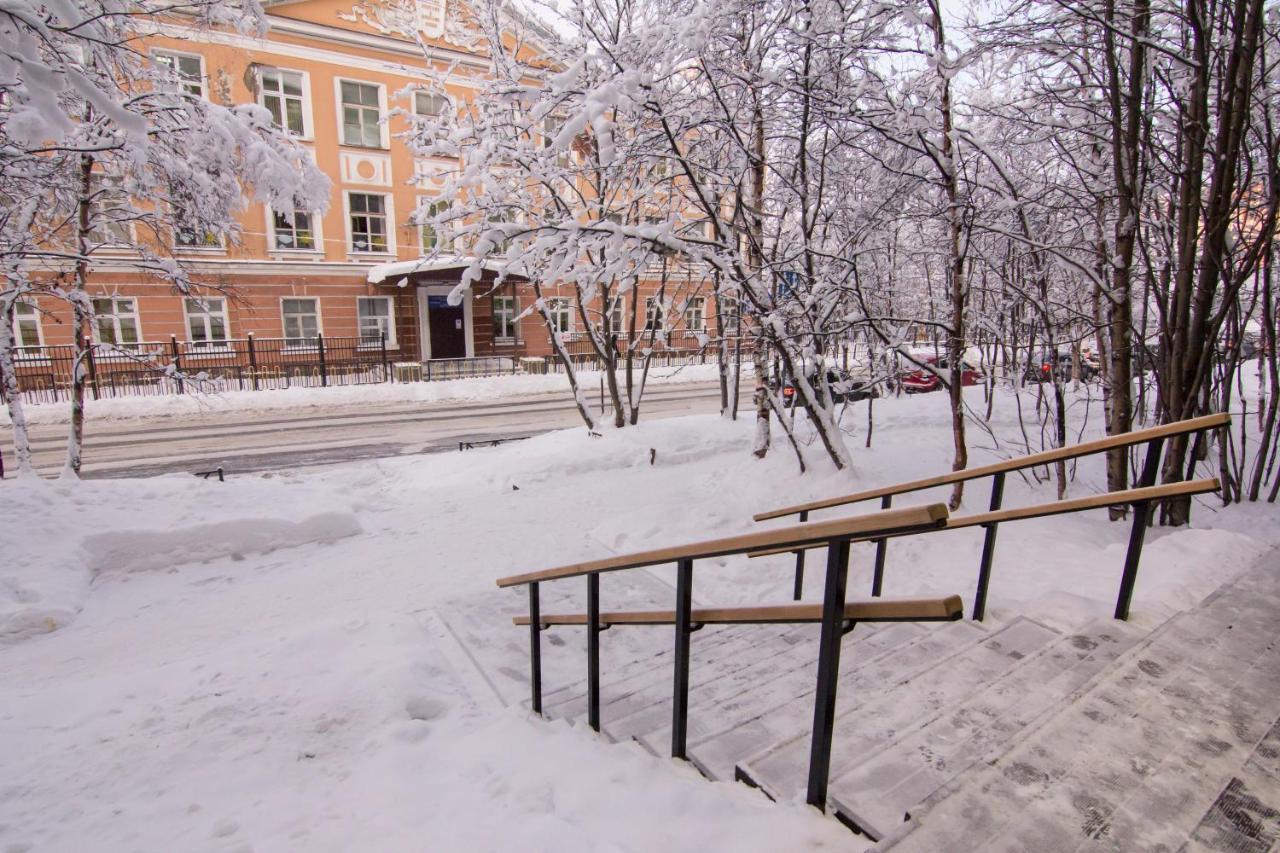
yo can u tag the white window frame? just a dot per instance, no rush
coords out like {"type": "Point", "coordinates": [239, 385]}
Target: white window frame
{"type": "Point", "coordinates": [284, 333]}
{"type": "Point", "coordinates": [701, 303]}
{"type": "Point", "coordinates": [203, 94]}
{"type": "Point", "coordinates": [316, 236]}
{"type": "Point", "coordinates": [557, 304]}
{"type": "Point", "coordinates": [391, 322]}
{"type": "Point", "coordinates": [448, 102]}
{"type": "Point", "coordinates": [384, 141]}
{"type": "Point", "coordinates": [115, 316]}
{"type": "Point", "coordinates": [618, 317]}
{"type": "Point", "coordinates": [654, 314]}
{"type": "Point", "coordinates": [389, 208]}
{"type": "Point", "coordinates": [209, 344]}
{"type": "Point", "coordinates": [98, 187]}
{"type": "Point", "coordinates": [308, 125]}
{"type": "Point", "coordinates": [430, 201]}
{"type": "Point", "coordinates": [514, 322]}
{"type": "Point", "coordinates": [18, 320]}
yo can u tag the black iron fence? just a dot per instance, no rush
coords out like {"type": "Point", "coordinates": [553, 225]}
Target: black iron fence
{"type": "Point", "coordinates": [676, 349]}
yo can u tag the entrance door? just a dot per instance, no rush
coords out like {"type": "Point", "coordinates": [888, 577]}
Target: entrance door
{"type": "Point", "coordinates": [447, 326]}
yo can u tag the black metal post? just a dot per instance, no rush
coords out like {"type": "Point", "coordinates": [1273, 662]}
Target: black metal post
{"type": "Point", "coordinates": [877, 577]}
{"type": "Point", "coordinates": [324, 370]}
{"type": "Point", "coordinates": [988, 550]}
{"type": "Point", "coordinates": [386, 368]}
{"type": "Point", "coordinates": [177, 361]}
{"type": "Point", "coordinates": [253, 362]}
{"type": "Point", "coordinates": [1138, 533]}
{"type": "Point", "coordinates": [799, 586]}
{"type": "Point", "coordinates": [824, 705]}
{"type": "Point", "coordinates": [535, 649]}
{"type": "Point", "coordinates": [680, 692]}
{"type": "Point", "coordinates": [93, 367]}
{"type": "Point", "coordinates": [593, 650]}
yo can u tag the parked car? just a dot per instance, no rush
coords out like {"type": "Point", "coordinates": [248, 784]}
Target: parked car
{"type": "Point", "coordinates": [844, 388]}
{"type": "Point", "coordinates": [1043, 368]}
{"type": "Point", "coordinates": [921, 381]}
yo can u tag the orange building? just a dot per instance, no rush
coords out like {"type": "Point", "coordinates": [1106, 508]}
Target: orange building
{"type": "Point", "coordinates": [334, 80]}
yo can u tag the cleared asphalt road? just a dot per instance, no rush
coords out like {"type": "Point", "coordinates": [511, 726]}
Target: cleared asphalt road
{"type": "Point", "coordinates": [243, 441]}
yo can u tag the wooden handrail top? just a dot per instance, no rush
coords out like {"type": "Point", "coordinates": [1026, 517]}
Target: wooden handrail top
{"type": "Point", "coordinates": [870, 526]}
{"type": "Point", "coordinates": [891, 610]}
{"type": "Point", "coordinates": [1128, 496]}
{"type": "Point", "coordinates": [1017, 463]}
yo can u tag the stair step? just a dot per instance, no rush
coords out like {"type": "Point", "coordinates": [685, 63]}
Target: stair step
{"type": "Point", "coordinates": [881, 789]}
{"type": "Point", "coordinates": [776, 721]}
{"type": "Point", "coordinates": [723, 706]}
{"type": "Point", "coordinates": [896, 707]}
{"type": "Point", "coordinates": [1070, 781]}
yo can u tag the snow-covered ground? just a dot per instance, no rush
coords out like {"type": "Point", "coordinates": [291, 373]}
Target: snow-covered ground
{"type": "Point", "coordinates": [478, 389]}
{"type": "Point", "coordinates": [257, 665]}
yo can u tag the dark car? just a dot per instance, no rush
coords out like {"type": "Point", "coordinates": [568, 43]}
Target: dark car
{"type": "Point", "coordinates": [921, 381]}
{"type": "Point", "coordinates": [844, 388]}
{"type": "Point", "coordinates": [1049, 364]}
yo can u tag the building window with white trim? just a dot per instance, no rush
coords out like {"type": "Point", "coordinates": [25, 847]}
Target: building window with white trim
{"type": "Point", "coordinates": [284, 95]}
{"type": "Point", "coordinates": [375, 320]}
{"type": "Point", "coordinates": [26, 325]}
{"type": "Point", "coordinates": [561, 310]}
{"type": "Point", "coordinates": [505, 311]}
{"type": "Point", "coordinates": [368, 218]}
{"type": "Point", "coordinates": [429, 233]}
{"type": "Point", "coordinates": [206, 322]}
{"type": "Point", "coordinates": [301, 319]}
{"type": "Point", "coordinates": [293, 231]}
{"type": "Point", "coordinates": [187, 70]}
{"type": "Point", "coordinates": [431, 104]}
{"type": "Point", "coordinates": [615, 314]}
{"type": "Point", "coordinates": [110, 213]}
{"type": "Point", "coordinates": [361, 114]}
{"type": "Point", "coordinates": [695, 318]}
{"type": "Point", "coordinates": [652, 314]}
{"type": "Point", "coordinates": [115, 321]}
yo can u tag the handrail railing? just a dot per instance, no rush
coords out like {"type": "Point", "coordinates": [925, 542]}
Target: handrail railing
{"type": "Point", "coordinates": [1140, 501]}
{"type": "Point", "coordinates": [837, 616]}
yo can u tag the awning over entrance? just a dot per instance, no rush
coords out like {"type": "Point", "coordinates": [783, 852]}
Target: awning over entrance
{"type": "Point", "coordinates": [379, 273]}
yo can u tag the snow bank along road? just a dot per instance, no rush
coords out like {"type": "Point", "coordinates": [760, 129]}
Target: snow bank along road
{"type": "Point", "coordinates": [248, 441]}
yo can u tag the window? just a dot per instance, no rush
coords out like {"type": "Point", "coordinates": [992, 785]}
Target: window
{"type": "Point", "coordinates": [373, 314]}
{"type": "Point", "coordinates": [115, 321]}
{"type": "Point", "coordinates": [206, 322]}
{"type": "Point", "coordinates": [26, 325]}
{"type": "Point", "coordinates": [293, 231]}
{"type": "Point", "coordinates": [301, 321]}
{"type": "Point", "coordinates": [561, 311]}
{"type": "Point", "coordinates": [282, 95]}
{"type": "Point", "coordinates": [615, 314]}
{"type": "Point", "coordinates": [428, 233]}
{"type": "Point", "coordinates": [505, 311]}
{"type": "Point", "coordinates": [652, 314]}
{"type": "Point", "coordinates": [430, 104]}
{"type": "Point", "coordinates": [188, 68]}
{"type": "Point", "coordinates": [368, 215]}
{"type": "Point", "coordinates": [695, 318]}
{"type": "Point", "coordinates": [361, 114]}
{"type": "Point", "coordinates": [188, 232]}
{"type": "Point", "coordinates": [110, 215]}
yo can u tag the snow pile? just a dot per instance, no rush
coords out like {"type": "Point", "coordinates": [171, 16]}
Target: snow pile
{"type": "Point", "coordinates": [481, 389]}
{"type": "Point", "coordinates": [270, 663]}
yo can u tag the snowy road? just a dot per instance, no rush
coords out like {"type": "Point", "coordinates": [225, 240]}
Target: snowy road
{"type": "Point", "coordinates": [242, 441]}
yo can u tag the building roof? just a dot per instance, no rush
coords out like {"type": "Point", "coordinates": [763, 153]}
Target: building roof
{"type": "Point", "coordinates": [379, 273]}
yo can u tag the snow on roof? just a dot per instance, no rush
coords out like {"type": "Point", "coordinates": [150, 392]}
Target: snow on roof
{"type": "Point", "coordinates": [381, 272]}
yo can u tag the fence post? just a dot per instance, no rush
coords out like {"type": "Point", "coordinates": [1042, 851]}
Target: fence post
{"type": "Point", "coordinates": [386, 369]}
{"type": "Point", "coordinates": [798, 590]}
{"type": "Point", "coordinates": [988, 550]}
{"type": "Point", "coordinates": [824, 703]}
{"type": "Point", "coordinates": [882, 545]}
{"type": "Point", "coordinates": [177, 361]}
{"type": "Point", "coordinates": [593, 650]}
{"type": "Point", "coordinates": [684, 628]}
{"type": "Point", "coordinates": [535, 650]}
{"type": "Point", "coordinates": [324, 371]}
{"type": "Point", "coordinates": [93, 367]}
{"type": "Point", "coordinates": [253, 362]}
{"type": "Point", "coordinates": [1138, 533]}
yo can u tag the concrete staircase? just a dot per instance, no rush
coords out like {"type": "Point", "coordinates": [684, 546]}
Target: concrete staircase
{"type": "Point", "coordinates": [967, 736]}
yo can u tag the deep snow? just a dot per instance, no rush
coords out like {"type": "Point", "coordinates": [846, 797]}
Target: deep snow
{"type": "Point", "coordinates": [259, 665]}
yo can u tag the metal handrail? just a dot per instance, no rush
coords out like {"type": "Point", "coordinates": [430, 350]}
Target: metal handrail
{"type": "Point", "coordinates": [1139, 499]}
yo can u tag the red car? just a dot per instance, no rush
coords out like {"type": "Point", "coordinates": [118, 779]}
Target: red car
{"type": "Point", "coordinates": [920, 381]}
